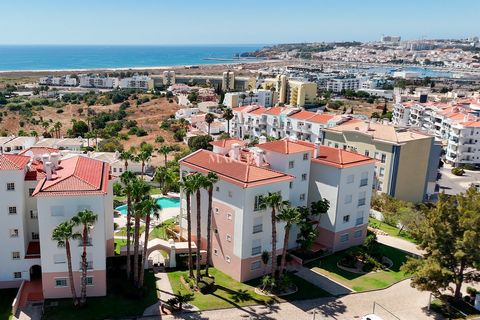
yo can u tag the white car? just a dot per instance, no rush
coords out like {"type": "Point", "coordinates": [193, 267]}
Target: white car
{"type": "Point", "coordinates": [371, 317]}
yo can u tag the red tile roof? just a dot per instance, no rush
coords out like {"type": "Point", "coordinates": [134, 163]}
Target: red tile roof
{"type": "Point", "coordinates": [322, 118]}
{"type": "Point", "coordinates": [275, 110]}
{"type": "Point", "coordinates": [340, 158]}
{"type": "Point", "coordinates": [13, 162]}
{"type": "Point", "coordinates": [233, 171]}
{"type": "Point", "coordinates": [303, 115]}
{"type": "Point", "coordinates": [258, 111]}
{"type": "Point", "coordinates": [76, 176]}
{"type": "Point", "coordinates": [227, 143]}
{"type": "Point", "coordinates": [285, 146]}
{"type": "Point", "coordinates": [38, 151]}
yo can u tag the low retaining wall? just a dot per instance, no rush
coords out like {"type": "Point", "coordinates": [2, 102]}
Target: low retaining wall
{"type": "Point", "coordinates": [16, 301]}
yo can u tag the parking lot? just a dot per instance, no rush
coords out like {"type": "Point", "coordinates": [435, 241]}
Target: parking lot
{"type": "Point", "coordinates": [451, 184]}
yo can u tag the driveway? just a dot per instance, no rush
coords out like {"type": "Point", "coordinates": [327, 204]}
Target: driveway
{"type": "Point", "coordinates": [401, 299]}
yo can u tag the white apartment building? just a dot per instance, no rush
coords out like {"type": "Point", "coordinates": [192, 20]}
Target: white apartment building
{"type": "Point", "coordinates": [15, 145]}
{"type": "Point", "coordinates": [168, 78]}
{"type": "Point", "coordinates": [261, 97]}
{"type": "Point", "coordinates": [136, 82]}
{"type": "Point", "coordinates": [337, 85]}
{"type": "Point", "coordinates": [58, 81]}
{"type": "Point", "coordinates": [38, 193]}
{"type": "Point", "coordinates": [301, 172]}
{"type": "Point", "coordinates": [464, 143]}
{"type": "Point", "coordinates": [97, 81]}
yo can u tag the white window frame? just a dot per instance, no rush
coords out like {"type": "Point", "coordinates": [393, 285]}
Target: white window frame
{"type": "Point", "coordinates": [14, 254]}
{"type": "Point", "coordinates": [63, 280]}
{"type": "Point", "coordinates": [10, 186]}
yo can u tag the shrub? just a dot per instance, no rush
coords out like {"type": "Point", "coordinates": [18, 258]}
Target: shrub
{"type": "Point", "coordinates": [458, 171]}
{"type": "Point", "coordinates": [159, 139]}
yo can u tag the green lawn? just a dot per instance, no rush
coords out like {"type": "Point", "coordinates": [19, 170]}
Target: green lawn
{"type": "Point", "coordinates": [124, 198]}
{"type": "Point", "coordinates": [114, 305]}
{"type": "Point", "coordinates": [231, 293]}
{"type": "Point", "coordinates": [123, 231]}
{"type": "Point", "coordinates": [362, 282]}
{"type": "Point", "coordinates": [7, 296]}
{"type": "Point", "coordinates": [160, 230]}
{"type": "Point", "coordinates": [118, 244]}
{"type": "Point", "coordinates": [392, 231]}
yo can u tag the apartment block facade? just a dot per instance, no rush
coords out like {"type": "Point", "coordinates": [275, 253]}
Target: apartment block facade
{"type": "Point", "coordinates": [38, 193]}
{"type": "Point", "coordinates": [136, 82]}
{"type": "Point", "coordinates": [97, 81]}
{"type": "Point", "coordinates": [301, 172]}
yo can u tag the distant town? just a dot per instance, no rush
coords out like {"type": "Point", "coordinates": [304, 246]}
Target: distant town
{"type": "Point", "coordinates": [341, 173]}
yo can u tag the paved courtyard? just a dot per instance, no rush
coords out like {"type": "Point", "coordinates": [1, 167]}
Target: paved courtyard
{"type": "Point", "coordinates": [452, 184]}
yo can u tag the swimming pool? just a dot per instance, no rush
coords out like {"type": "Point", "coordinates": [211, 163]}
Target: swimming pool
{"type": "Point", "coordinates": [164, 202]}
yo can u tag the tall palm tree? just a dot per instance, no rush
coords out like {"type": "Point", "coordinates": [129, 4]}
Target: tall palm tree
{"type": "Point", "coordinates": [251, 95]}
{"type": "Point", "coordinates": [147, 207]}
{"type": "Point", "coordinates": [85, 219]}
{"type": "Point", "coordinates": [274, 201]}
{"type": "Point", "coordinates": [57, 126]}
{"type": "Point", "coordinates": [128, 178]}
{"type": "Point", "coordinates": [290, 215]}
{"type": "Point", "coordinates": [209, 118]}
{"type": "Point", "coordinates": [187, 185]}
{"type": "Point", "coordinates": [143, 157]}
{"type": "Point", "coordinates": [139, 189]}
{"type": "Point", "coordinates": [165, 150]}
{"type": "Point", "coordinates": [228, 115]}
{"type": "Point", "coordinates": [209, 183]}
{"type": "Point", "coordinates": [198, 184]}
{"type": "Point", "coordinates": [126, 156]}
{"type": "Point", "coordinates": [62, 235]}
{"type": "Point", "coordinates": [243, 96]}
{"type": "Point", "coordinates": [167, 178]}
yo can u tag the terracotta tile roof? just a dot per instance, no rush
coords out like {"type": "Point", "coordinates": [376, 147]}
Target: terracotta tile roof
{"type": "Point", "coordinates": [76, 176]}
{"type": "Point", "coordinates": [285, 146]}
{"type": "Point", "coordinates": [303, 115]}
{"type": "Point", "coordinates": [275, 111]}
{"type": "Point", "coordinates": [38, 151]}
{"type": "Point", "coordinates": [36, 172]}
{"type": "Point", "coordinates": [233, 171]}
{"type": "Point", "coordinates": [322, 118]}
{"type": "Point", "coordinates": [13, 162]}
{"type": "Point", "coordinates": [241, 109]}
{"type": "Point", "coordinates": [472, 124]}
{"type": "Point", "coordinates": [227, 143]}
{"type": "Point", "coordinates": [258, 111]}
{"type": "Point", "coordinates": [340, 158]}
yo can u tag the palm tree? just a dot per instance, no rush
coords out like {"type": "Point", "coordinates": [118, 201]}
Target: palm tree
{"type": "Point", "coordinates": [209, 118]}
{"type": "Point", "coordinates": [251, 95]}
{"type": "Point", "coordinates": [265, 258]}
{"type": "Point", "coordinates": [167, 178]}
{"type": "Point", "coordinates": [188, 187]}
{"type": "Point", "coordinates": [62, 235]}
{"type": "Point", "coordinates": [165, 150]}
{"type": "Point", "coordinates": [143, 157]}
{"type": "Point", "coordinates": [209, 183]}
{"type": "Point", "coordinates": [139, 189]}
{"type": "Point", "coordinates": [243, 96]}
{"type": "Point", "coordinates": [228, 115]}
{"type": "Point", "coordinates": [274, 201]}
{"type": "Point", "coordinates": [146, 207]}
{"type": "Point", "coordinates": [57, 126]}
{"type": "Point", "coordinates": [127, 178]}
{"type": "Point", "coordinates": [290, 215]}
{"type": "Point", "coordinates": [126, 156]}
{"type": "Point", "coordinates": [198, 183]}
{"type": "Point", "coordinates": [86, 219]}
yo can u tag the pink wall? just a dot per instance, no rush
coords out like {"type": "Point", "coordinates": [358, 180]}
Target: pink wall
{"type": "Point", "coordinates": [99, 287]}
{"type": "Point", "coordinates": [332, 241]}
{"type": "Point", "coordinates": [110, 247]}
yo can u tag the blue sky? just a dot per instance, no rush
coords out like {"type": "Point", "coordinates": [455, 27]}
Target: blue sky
{"type": "Point", "coordinates": [231, 21]}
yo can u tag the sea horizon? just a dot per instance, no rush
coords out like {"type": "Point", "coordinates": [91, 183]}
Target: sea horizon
{"type": "Point", "coordinates": [61, 57]}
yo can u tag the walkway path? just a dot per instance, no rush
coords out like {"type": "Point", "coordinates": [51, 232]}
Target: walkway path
{"type": "Point", "coordinates": [401, 244]}
{"type": "Point", "coordinates": [401, 299]}
{"type": "Point", "coordinates": [331, 286]}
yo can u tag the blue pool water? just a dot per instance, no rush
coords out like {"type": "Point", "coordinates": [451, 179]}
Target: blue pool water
{"type": "Point", "coordinates": [163, 202]}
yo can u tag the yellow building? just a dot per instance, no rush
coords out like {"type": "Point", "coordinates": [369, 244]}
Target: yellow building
{"type": "Point", "coordinates": [301, 93]}
{"type": "Point", "coordinates": [407, 161]}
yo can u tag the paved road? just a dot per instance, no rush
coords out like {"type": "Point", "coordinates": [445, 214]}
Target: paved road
{"type": "Point", "coordinates": [452, 184]}
{"type": "Point", "coordinates": [331, 286]}
{"type": "Point", "coordinates": [401, 299]}
{"type": "Point", "coordinates": [399, 244]}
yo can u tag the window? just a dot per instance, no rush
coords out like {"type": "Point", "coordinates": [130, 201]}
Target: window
{"type": "Point", "coordinates": [16, 255]}
{"type": "Point", "coordinates": [302, 197]}
{"type": "Point", "coordinates": [357, 234]}
{"type": "Point", "coordinates": [256, 204]}
{"type": "Point", "coordinates": [384, 158]}
{"type": "Point", "coordinates": [382, 172]}
{"type": "Point", "coordinates": [229, 216]}
{"type": "Point", "coordinates": [346, 218]}
{"type": "Point", "coordinates": [291, 164]}
{"type": "Point", "coordinates": [227, 258]}
{"type": "Point", "coordinates": [33, 214]}
{"type": "Point", "coordinates": [361, 198]}
{"type": "Point", "coordinates": [336, 145]}
{"type": "Point", "coordinates": [88, 281]}
{"type": "Point", "coordinates": [13, 233]}
{"type": "Point", "coordinates": [217, 189]}
{"type": "Point", "coordinates": [30, 192]}
{"type": "Point", "coordinates": [89, 265]}
{"type": "Point", "coordinates": [12, 210]}
{"type": "Point", "coordinates": [59, 258]}
{"type": "Point", "coordinates": [364, 179]}
{"type": "Point", "coordinates": [10, 186]}
{"type": "Point", "coordinates": [17, 275]}
{"type": "Point", "coordinates": [215, 252]}
{"type": "Point", "coordinates": [305, 156]}
{"type": "Point", "coordinates": [120, 170]}
{"type": "Point", "coordinates": [255, 265]}
{"type": "Point", "coordinates": [230, 194]}
{"type": "Point", "coordinates": [114, 169]}
{"type": "Point", "coordinates": [359, 219]}
{"type": "Point", "coordinates": [344, 237]}
{"type": "Point", "coordinates": [367, 153]}
{"type": "Point", "coordinates": [57, 211]}
{"type": "Point", "coordinates": [291, 185]}
{"type": "Point", "coordinates": [61, 282]}
{"type": "Point", "coordinates": [348, 199]}
{"type": "Point", "coordinates": [256, 247]}
{"type": "Point", "coordinates": [35, 236]}
{"type": "Point", "coordinates": [229, 238]}
{"type": "Point", "coordinates": [216, 210]}
{"type": "Point", "coordinates": [350, 178]}
{"type": "Point", "coordinates": [304, 176]}
{"type": "Point", "coordinates": [89, 242]}
{"type": "Point", "coordinates": [258, 228]}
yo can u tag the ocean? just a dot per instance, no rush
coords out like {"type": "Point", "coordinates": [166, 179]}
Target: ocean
{"type": "Point", "coordinates": [63, 57]}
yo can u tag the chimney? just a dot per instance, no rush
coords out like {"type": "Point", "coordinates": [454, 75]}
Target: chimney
{"type": "Point", "coordinates": [316, 152]}
{"type": "Point", "coordinates": [262, 139]}
{"type": "Point", "coordinates": [236, 151]}
{"type": "Point", "coordinates": [258, 158]}
{"type": "Point", "coordinates": [55, 159]}
{"type": "Point", "coordinates": [45, 159]}
{"type": "Point", "coordinates": [48, 170]}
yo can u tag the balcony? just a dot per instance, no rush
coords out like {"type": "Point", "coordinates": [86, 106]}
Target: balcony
{"type": "Point", "coordinates": [33, 250]}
